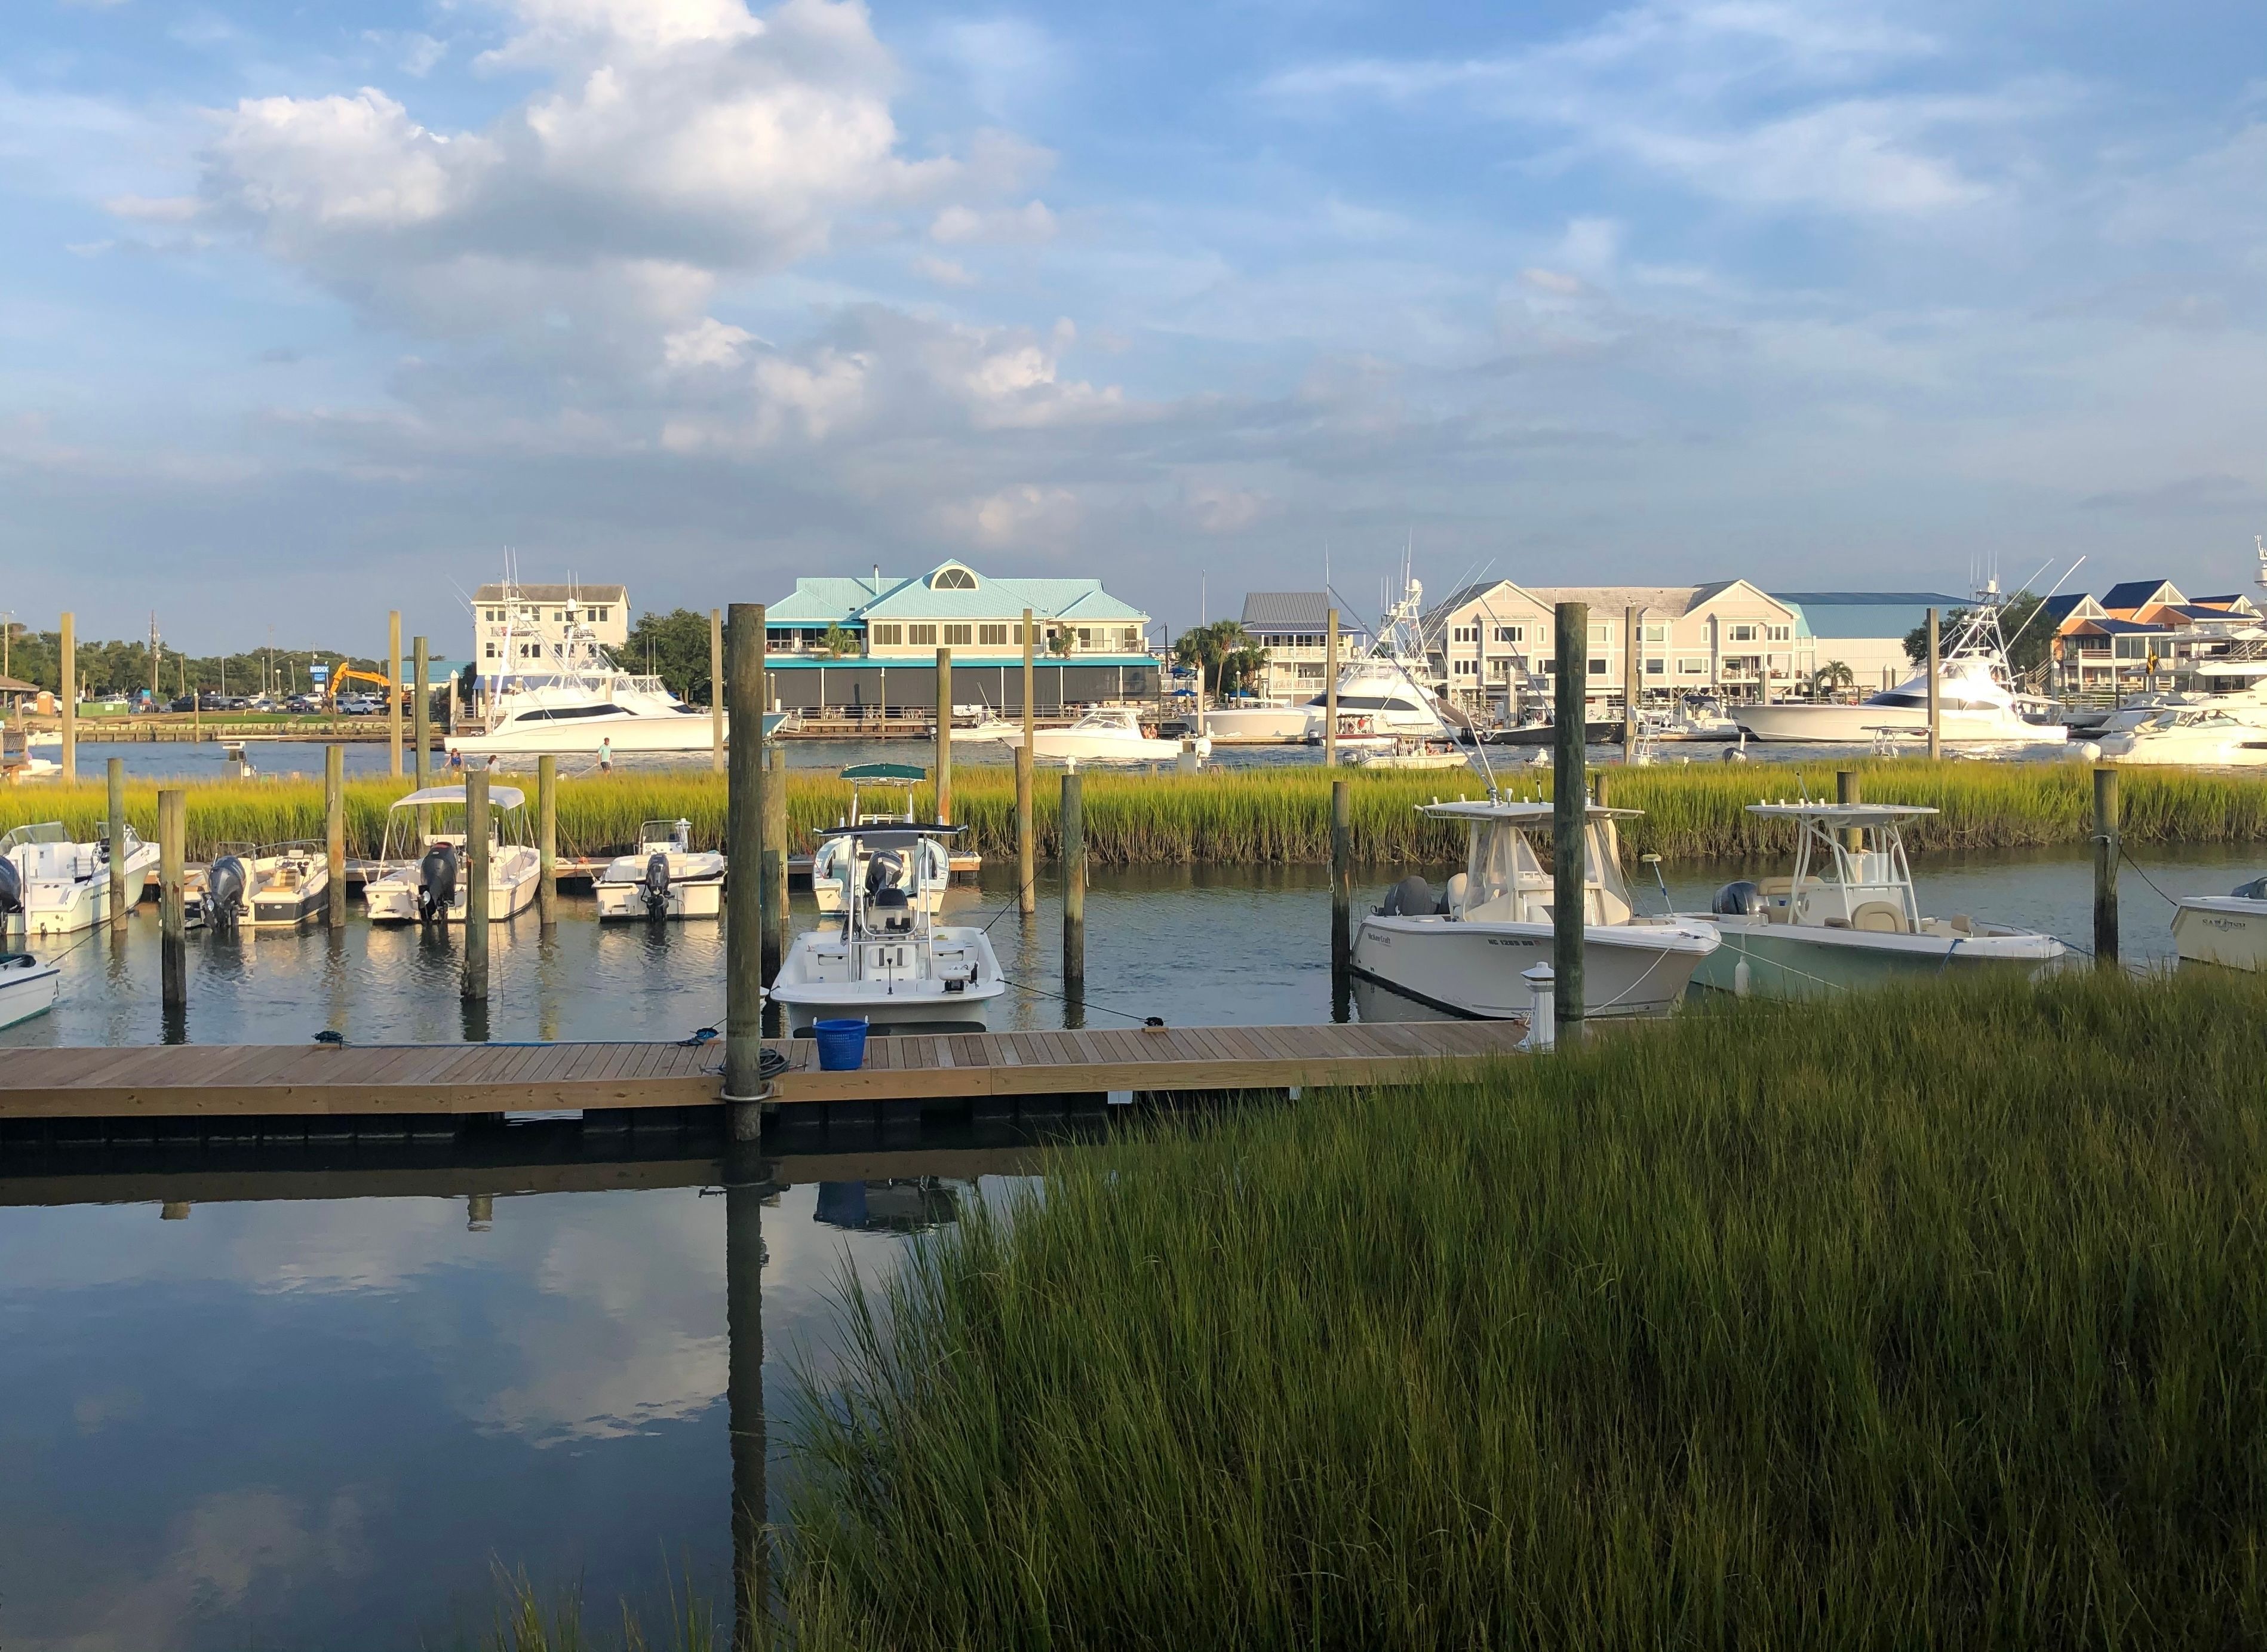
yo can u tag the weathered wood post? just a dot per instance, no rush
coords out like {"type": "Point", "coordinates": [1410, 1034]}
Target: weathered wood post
{"type": "Point", "coordinates": [944, 737]}
{"type": "Point", "coordinates": [393, 692]}
{"type": "Point", "coordinates": [744, 851]}
{"type": "Point", "coordinates": [69, 704]}
{"type": "Point", "coordinates": [476, 885]}
{"type": "Point", "coordinates": [2106, 850]}
{"type": "Point", "coordinates": [546, 841]}
{"type": "Point", "coordinates": [743, 1399]}
{"type": "Point", "coordinates": [172, 913]}
{"type": "Point", "coordinates": [121, 899]}
{"type": "Point", "coordinates": [717, 690]}
{"type": "Point", "coordinates": [1331, 689]}
{"type": "Point", "coordinates": [1846, 791]}
{"type": "Point", "coordinates": [775, 867]}
{"type": "Point", "coordinates": [1632, 680]}
{"type": "Point", "coordinates": [1601, 788]}
{"type": "Point", "coordinates": [1569, 812]}
{"type": "Point", "coordinates": [1027, 886]}
{"type": "Point", "coordinates": [1341, 887]}
{"type": "Point", "coordinates": [421, 712]}
{"type": "Point", "coordinates": [1072, 828]}
{"type": "Point", "coordinates": [335, 833]}
{"type": "Point", "coordinates": [1935, 694]}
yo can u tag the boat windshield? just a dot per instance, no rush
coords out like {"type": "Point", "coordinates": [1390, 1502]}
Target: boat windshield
{"type": "Point", "coordinates": [45, 832]}
{"type": "Point", "coordinates": [1505, 880]}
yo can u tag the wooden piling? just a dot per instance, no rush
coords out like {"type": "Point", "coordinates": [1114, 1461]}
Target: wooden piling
{"type": "Point", "coordinates": [546, 841]}
{"type": "Point", "coordinates": [1027, 886]}
{"type": "Point", "coordinates": [744, 1402]}
{"type": "Point", "coordinates": [944, 737]}
{"type": "Point", "coordinates": [717, 690]}
{"type": "Point", "coordinates": [122, 898]}
{"type": "Point", "coordinates": [1072, 828]}
{"type": "Point", "coordinates": [393, 691]}
{"type": "Point", "coordinates": [775, 866]}
{"type": "Point", "coordinates": [2107, 848]}
{"type": "Point", "coordinates": [421, 712]}
{"type": "Point", "coordinates": [1331, 689]}
{"type": "Point", "coordinates": [1601, 789]}
{"type": "Point", "coordinates": [1569, 815]}
{"type": "Point", "coordinates": [1632, 679]}
{"type": "Point", "coordinates": [1341, 885]}
{"type": "Point", "coordinates": [476, 885]}
{"type": "Point", "coordinates": [743, 850]}
{"type": "Point", "coordinates": [69, 704]}
{"type": "Point", "coordinates": [1935, 694]}
{"type": "Point", "coordinates": [173, 919]}
{"type": "Point", "coordinates": [1846, 791]}
{"type": "Point", "coordinates": [334, 832]}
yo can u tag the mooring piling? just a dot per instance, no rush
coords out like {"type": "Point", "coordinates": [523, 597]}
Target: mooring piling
{"type": "Point", "coordinates": [172, 913]}
{"type": "Point", "coordinates": [1632, 677]}
{"type": "Point", "coordinates": [774, 870]}
{"type": "Point", "coordinates": [1330, 689]}
{"type": "Point", "coordinates": [717, 690]}
{"type": "Point", "coordinates": [2107, 849]}
{"type": "Point", "coordinates": [546, 841]}
{"type": "Point", "coordinates": [743, 847]}
{"type": "Point", "coordinates": [743, 1399]}
{"type": "Point", "coordinates": [476, 885]}
{"type": "Point", "coordinates": [1341, 893]}
{"type": "Point", "coordinates": [1601, 788]}
{"type": "Point", "coordinates": [1935, 694]}
{"type": "Point", "coordinates": [1074, 890]}
{"type": "Point", "coordinates": [1569, 811]}
{"type": "Point", "coordinates": [69, 704]}
{"type": "Point", "coordinates": [393, 691]}
{"type": "Point", "coordinates": [121, 899]}
{"type": "Point", "coordinates": [334, 834]}
{"type": "Point", "coordinates": [421, 713]}
{"type": "Point", "coordinates": [1027, 887]}
{"type": "Point", "coordinates": [1846, 791]}
{"type": "Point", "coordinates": [944, 737]}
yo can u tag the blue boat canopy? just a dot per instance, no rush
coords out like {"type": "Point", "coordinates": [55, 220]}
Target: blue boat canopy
{"type": "Point", "coordinates": [909, 774]}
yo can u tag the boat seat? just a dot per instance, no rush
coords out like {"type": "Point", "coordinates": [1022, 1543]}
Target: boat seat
{"type": "Point", "coordinates": [1878, 917]}
{"type": "Point", "coordinates": [1770, 887]}
{"type": "Point", "coordinates": [1963, 922]}
{"type": "Point", "coordinates": [1452, 898]}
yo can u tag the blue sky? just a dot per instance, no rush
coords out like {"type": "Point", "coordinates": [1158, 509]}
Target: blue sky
{"type": "Point", "coordinates": [701, 296]}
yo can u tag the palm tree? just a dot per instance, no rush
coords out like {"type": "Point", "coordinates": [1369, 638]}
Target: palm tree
{"type": "Point", "coordinates": [1831, 677]}
{"type": "Point", "coordinates": [1225, 653]}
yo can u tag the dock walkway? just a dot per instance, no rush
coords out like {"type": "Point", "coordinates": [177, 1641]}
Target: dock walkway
{"type": "Point", "coordinates": [206, 1081]}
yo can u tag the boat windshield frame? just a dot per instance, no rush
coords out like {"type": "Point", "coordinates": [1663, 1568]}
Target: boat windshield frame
{"type": "Point", "coordinates": [1877, 869]}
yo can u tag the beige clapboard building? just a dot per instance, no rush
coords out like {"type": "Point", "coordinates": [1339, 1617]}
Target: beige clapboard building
{"type": "Point", "coordinates": [1491, 642]}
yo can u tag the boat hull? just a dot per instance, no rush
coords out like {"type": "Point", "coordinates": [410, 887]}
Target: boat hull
{"type": "Point", "coordinates": [681, 733]}
{"type": "Point", "coordinates": [1270, 725]}
{"type": "Point", "coordinates": [1475, 969]}
{"type": "Point", "coordinates": [1855, 725]}
{"type": "Point", "coordinates": [1760, 959]}
{"type": "Point", "coordinates": [2224, 929]}
{"type": "Point", "coordinates": [288, 909]}
{"type": "Point", "coordinates": [700, 898]}
{"type": "Point", "coordinates": [27, 988]}
{"type": "Point", "coordinates": [393, 899]}
{"type": "Point", "coordinates": [2218, 748]}
{"type": "Point", "coordinates": [889, 981]}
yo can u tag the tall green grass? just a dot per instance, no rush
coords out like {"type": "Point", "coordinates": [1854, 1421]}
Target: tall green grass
{"type": "Point", "coordinates": [1231, 817]}
{"type": "Point", "coordinates": [1930, 1318]}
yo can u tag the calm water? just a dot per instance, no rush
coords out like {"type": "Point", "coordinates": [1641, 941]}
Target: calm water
{"type": "Point", "coordinates": [300, 1407]}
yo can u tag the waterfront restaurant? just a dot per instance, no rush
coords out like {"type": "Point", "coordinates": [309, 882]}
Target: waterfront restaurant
{"type": "Point", "coordinates": [866, 647]}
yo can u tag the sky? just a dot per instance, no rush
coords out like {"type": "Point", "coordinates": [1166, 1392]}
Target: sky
{"type": "Point", "coordinates": [311, 309]}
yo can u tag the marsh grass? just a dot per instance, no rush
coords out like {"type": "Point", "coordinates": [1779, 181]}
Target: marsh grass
{"type": "Point", "coordinates": [1933, 1318]}
{"type": "Point", "coordinates": [1249, 817]}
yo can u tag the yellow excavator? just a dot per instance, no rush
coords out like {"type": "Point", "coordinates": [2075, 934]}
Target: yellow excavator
{"type": "Point", "coordinates": [342, 673]}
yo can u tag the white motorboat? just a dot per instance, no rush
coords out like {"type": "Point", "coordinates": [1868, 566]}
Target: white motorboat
{"type": "Point", "coordinates": [883, 958]}
{"type": "Point", "coordinates": [423, 879]}
{"type": "Point", "coordinates": [27, 988]}
{"type": "Point", "coordinates": [667, 877]}
{"type": "Point", "coordinates": [1847, 917]}
{"type": "Point", "coordinates": [877, 869]}
{"type": "Point", "coordinates": [1408, 754]}
{"type": "Point", "coordinates": [279, 887]}
{"type": "Point", "coordinates": [63, 886]}
{"type": "Point", "coordinates": [1383, 697]}
{"type": "Point", "coordinates": [1462, 950]}
{"type": "Point", "coordinates": [1256, 722]}
{"type": "Point", "coordinates": [1107, 734]}
{"type": "Point", "coordinates": [2230, 930]}
{"type": "Point", "coordinates": [2212, 737]}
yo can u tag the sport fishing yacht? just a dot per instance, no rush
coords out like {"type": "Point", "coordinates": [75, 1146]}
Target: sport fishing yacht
{"type": "Point", "coordinates": [1463, 949]}
{"type": "Point", "coordinates": [1847, 917]}
{"type": "Point", "coordinates": [2230, 930]}
{"type": "Point", "coordinates": [667, 877]}
{"type": "Point", "coordinates": [1384, 693]}
{"type": "Point", "coordinates": [877, 870]}
{"type": "Point", "coordinates": [883, 958]}
{"type": "Point", "coordinates": [1252, 722]}
{"type": "Point", "coordinates": [422, 879]}
{"type": "Point", "coordinates": [60, 886]}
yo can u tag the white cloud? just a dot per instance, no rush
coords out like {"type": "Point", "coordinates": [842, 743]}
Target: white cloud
{"type": "Point", "coordinates": [154, 209]}
{"type": "Point", "coordinates": [1025, 226]}
{"type": "Point", "coordinates": [1008, 64]}
{"type": "Point", "coordinates": [1026, 517]}
{"type": "Point", "coordinates": [1219, 507]}
{"type": "Point", "coordinates": [945, 272]}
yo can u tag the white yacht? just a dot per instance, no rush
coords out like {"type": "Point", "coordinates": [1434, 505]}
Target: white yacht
{"type": "Point", "coordinates": [1256, 722]}
{"type": "Point", "coordinates": [62, 886]}
{"type": "Point", "coordinates": [2230, 930]}
{"type": "Point", "coordinates": [883, 958]}
{"type": "Point", "coordinates": [27, 988]}
{"type": "Point", "coordinates": [1107, 734]}
{"type": "Point", "coordinates": [1846, 917]}
{"type": "Point", "coordinates": [2215, 736]}
{"type": "Point", "coordinates": [667, 877]}
{"type": "Point", "coordinates": [424, 881]}
{"type": "Point", "coordinates": [924, 883]}
{"type": "Point", "coordinates": [1464, 950]}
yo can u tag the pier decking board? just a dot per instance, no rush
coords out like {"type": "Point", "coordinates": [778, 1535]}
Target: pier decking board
{"type": "Point", "coordinates": [193, 1080]}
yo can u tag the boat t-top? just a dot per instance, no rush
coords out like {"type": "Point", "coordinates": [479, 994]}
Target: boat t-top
{"type": "Point", "coordinates": [879, 868]}
{"type": "Point", "coordinates": [884, 957]}
{"type": "Point", "coordinates": [425, 879]}
{"type": "Point", "coordinates": [1463, 949]}
{"type": "Point", "coordinates": [1381, 701]}
{"type": "Point", "coordinates": [1847, 916]}
{"type": "Point", "coordinates": [667, 877]}
{"type": "Point", "coordinates": [59, 886]}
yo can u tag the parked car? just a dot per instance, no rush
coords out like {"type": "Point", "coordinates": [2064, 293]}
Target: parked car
{"type": "Point", "coordinates": [303, 703]}
{"type": "Point", "coordinates": [358, 705]}
{"type": "Point", "coordinates": [186, 703]}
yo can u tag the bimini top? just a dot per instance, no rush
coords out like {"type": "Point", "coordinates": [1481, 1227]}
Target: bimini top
{"type": "Point", "coordinates": [1516, 813]}
{"type": "Point", "coordinates": [1856, 814]}
{"type": "Point", "coordinates": [889, 834]}
{"type": "Point", "coordinates": [896, 774]}
{"type": "Point", "coordinates": [499, 796]}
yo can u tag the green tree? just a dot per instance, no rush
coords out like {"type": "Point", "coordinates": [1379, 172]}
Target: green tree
{"type": "Point", "coordinates": [1834, 674]}
{"type": "Point", "coordinates": [840, 641]}
{"type": "Point", "coordinates": [1225, 652]}
{"type": "Point", "coordinates": [2029, 640]}
{"type": "Point", "coordinates": [674, 647]}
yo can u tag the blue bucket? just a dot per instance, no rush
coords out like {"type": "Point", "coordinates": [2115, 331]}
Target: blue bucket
{"type": "Point", "coordinates": [841, 1045]}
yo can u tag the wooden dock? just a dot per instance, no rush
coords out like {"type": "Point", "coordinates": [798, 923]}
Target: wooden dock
{"type": "Point", "coordinates": [313, 1080]}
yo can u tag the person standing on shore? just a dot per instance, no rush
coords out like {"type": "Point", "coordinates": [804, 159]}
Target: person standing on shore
{"type": "Point", "coordinates": [606, 755]}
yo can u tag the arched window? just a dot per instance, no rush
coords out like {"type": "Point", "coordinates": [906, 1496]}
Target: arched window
{"type": "Point", "coordinates": [952, 579]}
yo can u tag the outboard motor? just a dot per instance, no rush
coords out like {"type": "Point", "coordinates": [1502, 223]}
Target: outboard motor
{"type": "Point", "coordinates": [2256, 889]}
{"type": "Point", "coordinates": [656, 885]}
{"type": "Point", "coordinates": [11, 886]}
{"type": "Point", "coordinates": [885, 870]}
{"type": "Point", "coordinates": [1739, 899]}
{"type": "Point", "coordinates": [436, 883]}
{"type": "Point", "coordinates": [1412, 898]}
{"type": "Point", "coordinates": [225, 883]}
